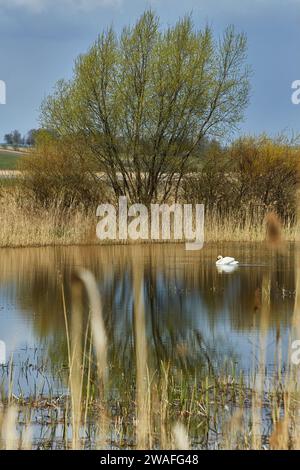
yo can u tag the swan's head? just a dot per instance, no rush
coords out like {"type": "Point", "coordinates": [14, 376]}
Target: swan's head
{"type": "Point", "coordinates": [219, 257]}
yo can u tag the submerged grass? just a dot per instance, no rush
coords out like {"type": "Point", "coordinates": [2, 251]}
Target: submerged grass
{"type": "Point", "coordinates": [206, 412]}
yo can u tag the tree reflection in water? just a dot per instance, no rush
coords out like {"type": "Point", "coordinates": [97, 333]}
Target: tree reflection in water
{"type": "Point", "coordinates": [192, 313]}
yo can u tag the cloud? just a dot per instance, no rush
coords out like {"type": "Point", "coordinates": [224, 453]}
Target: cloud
{"type": "Point", "coordinates": [37, 6]}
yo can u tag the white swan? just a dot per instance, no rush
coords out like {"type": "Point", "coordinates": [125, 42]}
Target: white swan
{"type": "Point", "coordinates": [227, 261]}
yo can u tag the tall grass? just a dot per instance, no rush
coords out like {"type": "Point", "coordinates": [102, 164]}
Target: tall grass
{"type": "Point", "coordinates": [23, 223]}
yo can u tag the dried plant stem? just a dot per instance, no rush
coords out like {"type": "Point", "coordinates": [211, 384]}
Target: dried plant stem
{"type": "Point", "coordinates": [141, 356]}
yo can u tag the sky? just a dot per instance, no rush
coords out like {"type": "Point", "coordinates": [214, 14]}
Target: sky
{"type": "Point", "coordinates": [39, 40]}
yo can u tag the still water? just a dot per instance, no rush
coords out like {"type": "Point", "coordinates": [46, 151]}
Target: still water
{"type": "Point", "coordinates": [194, 313]}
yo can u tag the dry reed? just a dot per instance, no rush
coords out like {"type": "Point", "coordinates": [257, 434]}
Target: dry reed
{"type": "Point", "coordinates": [29, 225]}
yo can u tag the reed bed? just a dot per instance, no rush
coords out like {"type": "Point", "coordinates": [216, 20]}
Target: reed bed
{"type": "Point", "coordinates": [26, 224]}
{"type": "Point", "coordinates": [207, 412]}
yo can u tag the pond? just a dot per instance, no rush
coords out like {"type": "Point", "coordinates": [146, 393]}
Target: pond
{"type": "Point", "coordinates": [195, 316]}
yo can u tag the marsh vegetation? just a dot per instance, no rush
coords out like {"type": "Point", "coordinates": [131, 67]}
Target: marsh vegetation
{"type": "Point", "coordinates": [148, 344]}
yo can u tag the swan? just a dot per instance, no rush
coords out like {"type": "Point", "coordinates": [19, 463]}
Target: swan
{"type": "Point", "coordinates": [227, 261]}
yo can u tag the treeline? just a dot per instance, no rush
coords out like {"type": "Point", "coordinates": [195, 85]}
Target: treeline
{"type": "Point", "coordinates": [16, 139]}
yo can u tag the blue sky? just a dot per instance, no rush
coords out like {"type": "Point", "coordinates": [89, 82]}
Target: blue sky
{"type": "Point", "coordinates": [39, 40]}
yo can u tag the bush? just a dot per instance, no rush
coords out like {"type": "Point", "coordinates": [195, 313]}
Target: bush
{"type": "Point", "coordinates": [55, 172]}
{"type": "Point", "coordinates": [254, 173]}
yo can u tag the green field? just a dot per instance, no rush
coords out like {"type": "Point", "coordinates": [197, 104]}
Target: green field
{"type": "Point", "coordinates": [9, 159]}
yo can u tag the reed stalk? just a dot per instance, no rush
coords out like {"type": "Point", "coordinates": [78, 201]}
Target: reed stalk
{"type": "Point", "coordinates": [143, 422]}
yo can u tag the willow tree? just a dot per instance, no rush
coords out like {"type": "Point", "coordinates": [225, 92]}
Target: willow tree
{"type": "Point", "coordinates": [143, 100]}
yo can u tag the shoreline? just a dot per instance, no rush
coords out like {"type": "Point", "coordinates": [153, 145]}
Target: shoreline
{"type": "Point", "coordinates": [141, 244]}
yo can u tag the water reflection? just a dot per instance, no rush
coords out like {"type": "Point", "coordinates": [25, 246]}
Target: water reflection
{"type": "Point", "coordinates": [227, 268]}
{"type": "Point", "coordinates": [195, 314]}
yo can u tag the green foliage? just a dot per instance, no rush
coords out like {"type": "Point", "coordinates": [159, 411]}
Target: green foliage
{"type": "Point", "coordinates": [254, 172]}
{"type": "Point", "coordinates": [53, 172]}
{"type": "Point", "coordinates": [142, 102]}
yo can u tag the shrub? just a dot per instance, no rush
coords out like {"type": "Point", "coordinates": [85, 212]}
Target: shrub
{"type": "Point", "coordinates": [55, 172]}
{"type": "Point", "coordinates": [255, 173]}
